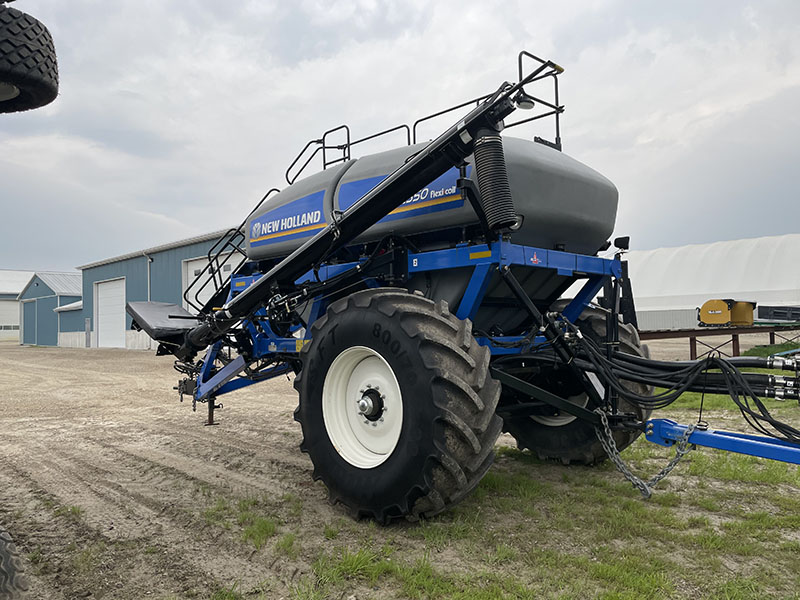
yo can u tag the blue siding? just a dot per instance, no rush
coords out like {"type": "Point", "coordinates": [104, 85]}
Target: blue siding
{"type": "Point", "coordinates": [166, 278]}
{"type": "Point", "coordinates": [71, 320]}
{"type": "Point", "coordinates": [46, 322]}
{"type": "Point", "coordinates": [134, 270]}
{"type": "Point", "coordinates": [29, 322]}
{"type": "Point", "coordinates": [8, 296]}
{"type": "Point", "coordinates": [37, 289]}
{"type": "Point", "coordinates": [166, 271]}
{"type": "Point", "coordinates": [40, 321]}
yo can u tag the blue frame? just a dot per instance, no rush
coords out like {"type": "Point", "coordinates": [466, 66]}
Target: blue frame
{"type": "Point", "coordinates": [666, 433]}
{"type": "Point", "coordinates": [484, 259]}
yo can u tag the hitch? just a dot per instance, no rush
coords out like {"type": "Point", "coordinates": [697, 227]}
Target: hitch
{"type": "Point", "coordinates": [185, 387]}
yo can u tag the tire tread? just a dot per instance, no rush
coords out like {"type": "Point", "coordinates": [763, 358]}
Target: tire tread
{"type": "Point", "coordinates": [27, 60]}
{"type": "Point", "coordinates": [13, 582]}
{"type": "Point", "coordinates": [464, 396]}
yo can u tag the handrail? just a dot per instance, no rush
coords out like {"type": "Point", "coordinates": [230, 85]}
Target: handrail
{"type": "Point", "coordinates": [232, 239]}
{"type": "Point", "coordinates": [475, 101]}
{"type": "Point", "coordinates": [323, 146]}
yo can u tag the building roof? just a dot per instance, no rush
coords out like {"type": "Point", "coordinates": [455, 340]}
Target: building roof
{"type": "Point", "coordinates": [762, 270]}
{"type": "Point", "coordinates": [71, 306]}
{"type": "Point", "coordinates": [62, 283]}
{"type": "Point", "coordinates": [12, 282]}
{"type": "Point", "coordinates": [214, 235]}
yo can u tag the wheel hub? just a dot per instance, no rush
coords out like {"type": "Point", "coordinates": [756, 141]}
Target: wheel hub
{"type": "Point", "coordinates": [362, 407]}
{"type": "Point", "coordinates": [8, 91]}
{"type": "Point", "coordinates": [370, 405]}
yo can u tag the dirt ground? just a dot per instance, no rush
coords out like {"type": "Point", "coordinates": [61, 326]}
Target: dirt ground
{"type": "Point", "coordinates": [113, 489]}
{"type": "Point", "coordinates": [102, 430]}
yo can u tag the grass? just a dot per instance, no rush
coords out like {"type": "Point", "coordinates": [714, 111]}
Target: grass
{"type": "Point", "coordinates": [86, 560]}
{"type": "Point", "coordinates": [73, 513]}
{"type": "Point", "coordinates": [721, 526]}
{"type": "Point", "coordinates": [331, 532]}
{"type": "Point", "coordinates": [770, 350]}
{"type": "Point", "coordinates": [285, 545]}
{"type": "Point", "coordinates": [218, 514]}
{"type": "Point", "coordinates": [534, 529]}
{"type": "Point", "coordinates": [258, 531]}
{"type": "Point", "coordinates": [227, 594]}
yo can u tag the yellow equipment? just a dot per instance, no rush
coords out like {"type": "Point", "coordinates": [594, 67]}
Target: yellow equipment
{"type": "Point", "coordinates": [726, 313]}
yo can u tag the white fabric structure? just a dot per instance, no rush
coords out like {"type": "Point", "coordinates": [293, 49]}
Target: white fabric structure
{"type": "Point", "coordinates": [670, 283]}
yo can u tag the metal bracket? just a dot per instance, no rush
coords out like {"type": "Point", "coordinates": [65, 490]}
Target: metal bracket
{"type": "Point", "coordinates": [545, 396]}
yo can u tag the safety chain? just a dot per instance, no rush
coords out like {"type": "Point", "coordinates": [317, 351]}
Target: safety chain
{"type": "Point", "coordinates": [682, 448]}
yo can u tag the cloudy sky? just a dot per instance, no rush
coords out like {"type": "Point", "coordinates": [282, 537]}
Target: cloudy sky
{"type": "Point", "coordinates": [174, 116]}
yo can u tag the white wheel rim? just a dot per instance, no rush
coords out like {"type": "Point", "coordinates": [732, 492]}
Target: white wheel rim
{"type": "Point", "coordinates": [365, 440]}
{"type": "Point", "coordinates": [8, 91]}
{"type": "Point", "coordinates": [564, 418]}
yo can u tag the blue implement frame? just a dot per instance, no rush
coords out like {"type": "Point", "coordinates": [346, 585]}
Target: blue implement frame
{"type": "Point", "coordinates": [666, 433]}
{"type": "Point", "coordinates": [483, 259]}
{"type": "Point", "coordinates": [220, 377]}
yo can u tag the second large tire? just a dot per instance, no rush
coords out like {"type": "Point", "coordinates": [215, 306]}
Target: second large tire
{"type": "Point", "coordinates": [13, 583]}
{"type": "Point", "coordinates": [28, 67]}
{"type": "Point", "coordinates": [565, 438]}
{"type": "Point", "coordinates": [431, 438]}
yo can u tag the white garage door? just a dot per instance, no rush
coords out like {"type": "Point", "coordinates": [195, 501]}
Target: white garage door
{"type": "Point", "coordinates": [9, 312]}
{"type": "Point", "coordinates": [110, 302]}
{"type": "Point", "coordinates": [193, 268]}
{"type": "Point", "coordinates": [9, 320]}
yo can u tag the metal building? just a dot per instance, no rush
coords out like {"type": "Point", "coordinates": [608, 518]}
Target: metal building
{"type": "Point", "coordinates": [39, 299]}
{"type": "Point", "coordinates": [11, 284]}
{"type": "Point", "coordinates": [161, 273]}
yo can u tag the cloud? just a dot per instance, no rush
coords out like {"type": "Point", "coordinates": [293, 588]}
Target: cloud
{"type": "Point", "coordinates": [175, 117]}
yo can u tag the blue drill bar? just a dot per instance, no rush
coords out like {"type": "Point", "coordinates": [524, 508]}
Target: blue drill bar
{"type": "Point", "coordinates": [666, 433]}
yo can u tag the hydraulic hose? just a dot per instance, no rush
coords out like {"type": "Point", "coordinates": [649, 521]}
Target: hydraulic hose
{"type": "Point", "coordinates": [754, 362]}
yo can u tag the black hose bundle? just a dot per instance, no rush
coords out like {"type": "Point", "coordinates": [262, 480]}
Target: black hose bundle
{"type": "Point", "coordinates": [678, 378]}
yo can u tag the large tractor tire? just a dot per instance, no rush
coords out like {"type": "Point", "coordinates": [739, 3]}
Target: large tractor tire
{"type": "Point", "coordinates": [28, 68]}
{"type": "Point", "coordinates": [563, 437]}
{"type": "Point", "coordinates": [396, 405]}
{"type": "Point", "coordinates": [13, 583]}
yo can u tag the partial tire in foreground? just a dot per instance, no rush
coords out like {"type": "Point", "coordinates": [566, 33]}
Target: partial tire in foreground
{"type": "Point", "coordinates": [563, 437]}
{"type": "Point", "coordinates": [28, 67]}
{"type": "Point", "coordinates": [396, 405]}
{"type": "Point", "coordinates": [13, 583]}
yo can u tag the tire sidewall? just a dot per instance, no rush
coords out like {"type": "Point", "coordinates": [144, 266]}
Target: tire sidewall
{"type": "Point", "coordinates": [406, 467]}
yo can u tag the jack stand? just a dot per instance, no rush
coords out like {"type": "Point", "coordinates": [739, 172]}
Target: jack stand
{"type": "Point", "coordinates": [211, 407]}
